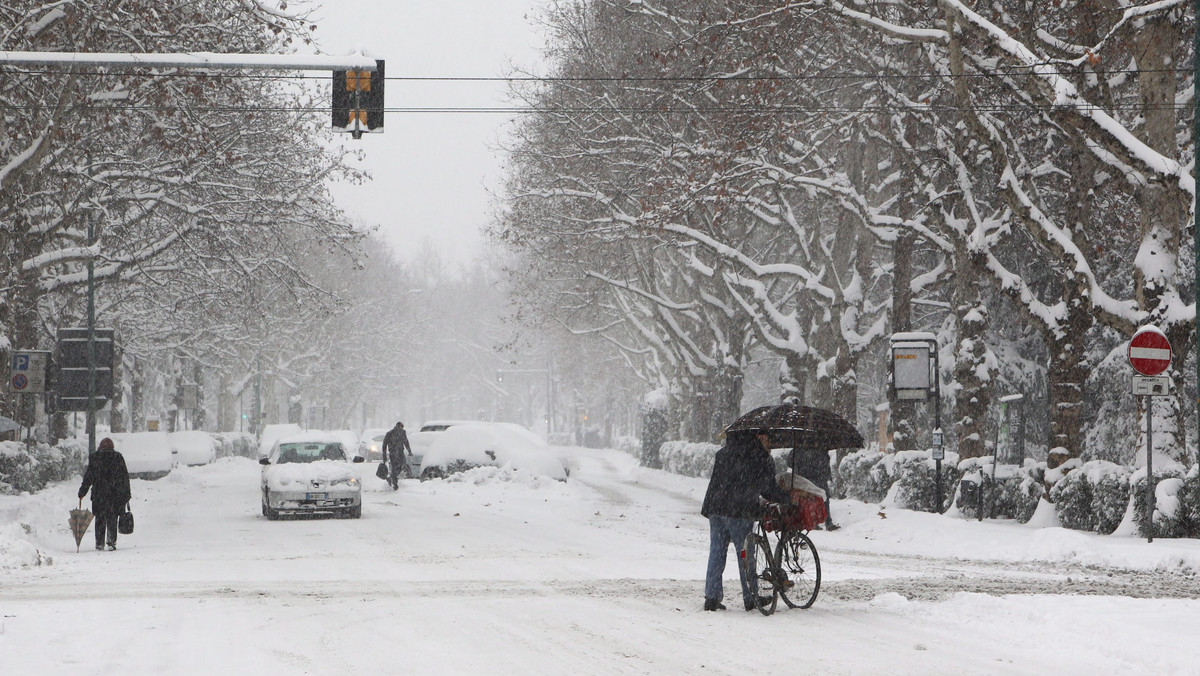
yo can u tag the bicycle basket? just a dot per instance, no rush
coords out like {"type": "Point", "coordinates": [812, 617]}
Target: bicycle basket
{"type": "Point", "coordinates": [786, 517]}
{"type": "Point", "coordinates": [807, 515]}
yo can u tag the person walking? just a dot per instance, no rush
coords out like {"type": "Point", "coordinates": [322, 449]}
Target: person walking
{"type": "Point", "coordinates": [108, 479]}
{"type": "Point", "coordinates": [395, 444]}
{"type": "Point", "coordinates": [742, 475]}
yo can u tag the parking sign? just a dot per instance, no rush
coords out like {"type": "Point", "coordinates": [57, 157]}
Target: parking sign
{"type": "Point", "coordinates": [29, 371]}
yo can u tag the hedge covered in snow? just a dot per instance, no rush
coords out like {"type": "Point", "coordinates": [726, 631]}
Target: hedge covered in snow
{"type": "Point", "coordinates": [236, 444]}
{"type": "Point", "coordinates": [687, 458]}
{"type": "Point", "coordinates": [1097, 496]}
{"type": "Point", "coordinates": [907, 479]}
{"type": "Point", "coordinates": [26, 470]}
{"type": "Point", "coordinates": [1002, 492]}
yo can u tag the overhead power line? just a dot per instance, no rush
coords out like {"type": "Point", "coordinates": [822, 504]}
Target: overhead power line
{"type": "Point", "coordinates": [518, 110]}
{"type": "Point", "coordinates": [600, 78]}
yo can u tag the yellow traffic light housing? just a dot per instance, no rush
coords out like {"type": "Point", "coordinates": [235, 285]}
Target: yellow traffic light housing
{"type": "Point", "coordinates": [358, 100]}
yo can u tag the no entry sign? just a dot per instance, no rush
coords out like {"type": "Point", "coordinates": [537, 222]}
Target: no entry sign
{"type": "Point", "coordinates": [1149, 351]}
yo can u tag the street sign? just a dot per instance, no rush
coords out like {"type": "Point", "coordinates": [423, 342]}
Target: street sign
{"type": "Point", "coordinates": [1149, 351]}
{"type": "Point", "coordinates": [29, 371]}
{"type": "Point", "coordinates": [1151, 386]}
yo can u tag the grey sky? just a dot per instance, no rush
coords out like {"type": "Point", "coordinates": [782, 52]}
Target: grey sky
{"type": "Point", "coordinates": [432, 171]}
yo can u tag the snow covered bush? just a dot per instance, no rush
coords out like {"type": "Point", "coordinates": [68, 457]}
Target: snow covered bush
{"type": "Point", "coordinates": [1072, 497]}
{"type": "Point", "coordinates": [1176, 512]}
{"type": "Point", "coordinates": [864, 476]}
{"type": "Point", "coordinates": [688, 458]}
{"type": "Point", "coordinates": [630, 445]}
{"type": "Point", "coordinates": [1013, 494]}
{"type": "Point", "coordinates": [1091, 496]}
{"type": "Point", "coordinates": [916, 481]}
{"type": "Point", "coordinates": [236, 444]}
{"type": "Point", "coordinates": [30, 470]}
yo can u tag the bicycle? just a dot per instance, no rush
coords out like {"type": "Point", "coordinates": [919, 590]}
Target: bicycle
{"type": "Point", "coordinates": [793, 569]}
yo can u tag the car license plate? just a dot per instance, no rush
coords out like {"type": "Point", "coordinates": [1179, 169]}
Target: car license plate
{"type": "Point", "coordinates": [316, 496]}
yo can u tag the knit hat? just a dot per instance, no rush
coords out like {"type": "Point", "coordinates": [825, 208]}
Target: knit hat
{"type": "Point", "coordinates": [106, 444]}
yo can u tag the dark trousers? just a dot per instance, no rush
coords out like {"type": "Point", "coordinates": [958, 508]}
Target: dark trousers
{"type": "Point", "coordinates": [106, 525]}
{"type": "Point", "coordinates": [397, 464]}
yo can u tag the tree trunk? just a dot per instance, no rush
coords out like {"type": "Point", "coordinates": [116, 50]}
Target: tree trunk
{"type": "Point", "coordinates": [903, 411]}
{"type": "Point", "coordinates": [1162, 214]}
{"type": "Point", "coordinates": [137, 404]}
{"type": "Point", "coordinates": [973, 363]}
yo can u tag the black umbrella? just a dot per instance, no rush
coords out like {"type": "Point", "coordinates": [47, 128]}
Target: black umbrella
{"type": "Point", "coordinates": [795, 426]}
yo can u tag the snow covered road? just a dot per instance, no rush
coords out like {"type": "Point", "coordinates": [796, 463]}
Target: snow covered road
{"type": "Point", "coordinates": [501, 573]}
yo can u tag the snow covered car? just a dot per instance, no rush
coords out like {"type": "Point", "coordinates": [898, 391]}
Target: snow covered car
{"type": "Point", "coordinates": [147, 454]}
{"type": "Point", "coordinates": [371, 446]}
{"type": "Point", "coordinates": [310, 473]}
{"type": "Point", "coordinates": [424, 437]}
{"type": "Point", "coordinates": [473, 444]}
{"type": "Point", "coordinates": [192, 447]}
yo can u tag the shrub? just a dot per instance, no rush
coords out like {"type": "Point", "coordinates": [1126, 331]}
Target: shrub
{"type": "Point", "coordinates": [1168, 520]}
{"type": "Point", "coordinates": [30, 469]}
{"type": "Point", "coordinates": [916, 481]}
{"type": "Point", "coordinates": [236, 444]}
{"type": "Point", "coordinates": [862, 481]}
{"type": "Point", "coordinates": [1072, 498]}
{"type": "Point", "coordinates": [1091, 496]}
{"type": "Point", "coordinates": [1014, 494]}
{"type": "Point", "coordinates": [688, 458]}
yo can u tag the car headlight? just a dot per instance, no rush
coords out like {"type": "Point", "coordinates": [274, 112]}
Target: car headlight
{"type": "Point", "coordinates": [352, 482]}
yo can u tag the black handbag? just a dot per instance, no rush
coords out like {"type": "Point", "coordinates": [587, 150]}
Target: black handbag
{"type": "Point", "coordinates": [382, 471]}
{"type": "Point", "coordinates": [125, 521]}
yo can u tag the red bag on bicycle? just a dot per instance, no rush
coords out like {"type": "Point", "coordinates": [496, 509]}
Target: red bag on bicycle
{"type": "Point", "coordinates": [811, 511]}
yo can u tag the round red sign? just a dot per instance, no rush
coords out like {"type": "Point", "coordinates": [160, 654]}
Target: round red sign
{"type": "Point", "coordinates": [1149, 351]}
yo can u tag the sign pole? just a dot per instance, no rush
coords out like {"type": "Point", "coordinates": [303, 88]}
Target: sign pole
{"type": "Point", "coordinates": [1149, 469]}
{"type": "Point", "coordinates": [91, 333]}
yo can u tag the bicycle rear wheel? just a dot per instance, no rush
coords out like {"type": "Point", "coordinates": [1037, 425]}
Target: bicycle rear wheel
{"type": "Point", "coordinates": [801, 566]}
{"type": "Point", "coordinates": [761, 566]}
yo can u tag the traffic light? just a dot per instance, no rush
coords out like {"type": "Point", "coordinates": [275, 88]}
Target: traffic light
{"type": "Point", "coordinates": [358, 99]}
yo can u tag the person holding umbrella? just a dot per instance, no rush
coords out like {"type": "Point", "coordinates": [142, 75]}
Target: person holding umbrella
{"type": "Point", "coordinates": [108, 479]}
{"type": "Point", "coordinates": [743, 475]}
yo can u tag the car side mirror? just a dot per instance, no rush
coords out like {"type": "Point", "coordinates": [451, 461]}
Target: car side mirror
{"type": "Point", "coordinates": [358, 458]}
{"type": "Point", "coordinates": [264, 461]}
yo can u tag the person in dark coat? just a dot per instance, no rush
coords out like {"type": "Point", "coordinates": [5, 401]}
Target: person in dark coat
{"type": "Point", "coordinates": [395, 443]}
{"type": "Point", "coordinates": [742, 475]}
{"type": "Point", "coordinates": [108, 479]}
{"type": "Point", "coordinates": [813, 464]}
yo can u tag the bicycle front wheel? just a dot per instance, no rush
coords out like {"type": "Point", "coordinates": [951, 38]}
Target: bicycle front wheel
{"type": "Point", "coordinates": [761, 566]}
{"type": "Point", "coordinates": [801, 566]}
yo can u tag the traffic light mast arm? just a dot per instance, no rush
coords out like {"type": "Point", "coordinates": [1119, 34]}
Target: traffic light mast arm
{"type": "Point", "coordinates": [200, 60]}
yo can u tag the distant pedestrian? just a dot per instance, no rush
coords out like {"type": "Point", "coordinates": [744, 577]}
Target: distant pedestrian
{"type": "Point", "coordinates": [108, 479]}
{"type": "Point", "coordinates": [395, 444]}
{"type": "Point", "coordinates": [742, 475]}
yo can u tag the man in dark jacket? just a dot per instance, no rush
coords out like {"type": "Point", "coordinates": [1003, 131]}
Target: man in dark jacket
{"type": "Point", "coordinates": [395, 443]}
{"type": "Point", "coordinates": [742, 475]}
{"type": "Point", "coordinates": [108, 479]}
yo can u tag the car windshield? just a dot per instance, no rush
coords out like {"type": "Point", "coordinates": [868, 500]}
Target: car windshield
{"type": "Point", "coordinates": [310, 451]}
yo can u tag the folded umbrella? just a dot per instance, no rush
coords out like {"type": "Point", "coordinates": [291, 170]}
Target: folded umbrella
{"type": "Point", "coordinates": [80, 520]}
